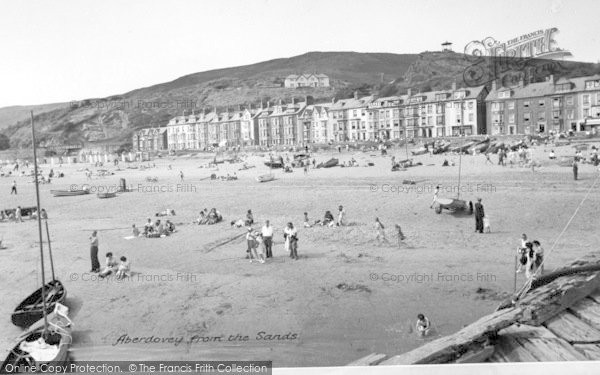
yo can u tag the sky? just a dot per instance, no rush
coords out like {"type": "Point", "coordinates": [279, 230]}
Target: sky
{"type": "Point", "coordinates": [58, 51]}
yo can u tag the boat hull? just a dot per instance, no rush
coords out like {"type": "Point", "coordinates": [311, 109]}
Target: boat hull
{"type": "Point", "coordinates": [68, 193]}
{"type": "Point", "coordinates": [106, 195]}
{"type": "Point", "coordinates": [265, 178]}
{"type": "Point", "coordinates": [31, 309]}
{"type": "Point", "coordinates": [61, 337]}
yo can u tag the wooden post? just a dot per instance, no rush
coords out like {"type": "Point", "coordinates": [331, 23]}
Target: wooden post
{"type": "Point", "coordinates": [515, 274]}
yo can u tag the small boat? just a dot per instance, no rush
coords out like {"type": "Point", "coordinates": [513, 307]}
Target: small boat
{"type": "Point", "coordinates": [68, 193]}
{"type": "Point", "coordinates": [450, 204]}
{"type": "Point", "coordinates": [441, 149]}
{"type": "Point", "coordinates": [265, 177]}
{"type": "Point", "coordinates": [54, 346]}
{"type": "Point", "coordinates": [111, 194]}
{"type": "Point", "coordinates": [331, 163]}
{"type": "Point", "coordinates": [420, 151]}
{"type": "Point", "coordinates": [275, 163]}
{"type": "Point", "coordinates": [31, 309]}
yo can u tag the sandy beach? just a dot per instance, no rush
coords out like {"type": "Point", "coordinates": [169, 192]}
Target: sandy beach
{"type": "Point", "coordinates": [194, 295]}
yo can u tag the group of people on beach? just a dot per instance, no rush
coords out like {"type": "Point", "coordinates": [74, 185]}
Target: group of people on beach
{"type": "Point", "coordinates": [209, 217]}
{"type": "Point", "coordinates": [154, 229]}
{"type": "Point", "coordinates": [16, 214]}
{"type": "Point", "coordinates": [120, 268]}
{"type": "Point", "coordinates": [328, 219]}
{"type": "Point", "coordinates": [531, 257]}
{"type": "Point", "coordinates": [260, 243]}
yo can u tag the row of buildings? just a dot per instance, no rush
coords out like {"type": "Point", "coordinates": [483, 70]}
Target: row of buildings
{"type": "Point", "coordinates": [529, 108]}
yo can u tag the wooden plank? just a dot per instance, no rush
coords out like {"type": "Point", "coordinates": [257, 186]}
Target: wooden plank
{"type": "Point", "coordinates": [550, 350]}
{"type": "Point", "coordinates": [588, 311]}
{"type": "Point", "coordinates": [508, 349]}
{"type": "Point", "coordinates": [572, 329]}
{"type": "Point", "coordinates": [370, 360]}
{"type": "Point", "coordinates": [527, 331]}
{"type": "Point", "coordinates": [547, 301]}
{"type": "Point", "coordinates": [448, 349]}
{"type": "Point", "coordinates": [590, 351]}
{"type": "Point", "coordinates": [477, 356]}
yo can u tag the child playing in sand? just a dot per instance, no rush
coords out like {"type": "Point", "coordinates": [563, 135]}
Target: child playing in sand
{"type": "Point", "coordinates": [260, 243]}
{"type": "Point", "coordinates": [400, 235]}
{"type": "Point", "coordinates": [423, 325]}
{"type": "Point", "coordinates": [123, 269]}
{"type": "Point", "coordinates": [306, 221]}
{"type": "Point", "coordinates": [111, 265]}
{"type": "Point", "coordinates": [380, 231]}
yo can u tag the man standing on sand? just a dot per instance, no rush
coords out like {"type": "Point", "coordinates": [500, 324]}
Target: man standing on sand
{"type": "Point", "coordinates": [479, 214]}
{"type": "Point", "coordinates": [94, 252]}
{"type": "Point", "coordinates": [13, 189]}
{"type": "Point", "coordinates": [267, 234]}
{"type": "Point", "coordinates": [575, 169]}
{"type": "Point", "coordinates": [181, 175]}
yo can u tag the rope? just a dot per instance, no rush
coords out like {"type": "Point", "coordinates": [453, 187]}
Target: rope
{"type": "Point", "coordinates": [529, 281]}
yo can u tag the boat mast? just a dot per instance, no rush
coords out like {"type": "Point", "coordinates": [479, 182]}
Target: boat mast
{"type": "Point", "coordinates": [459, 170]}
{"type": "Point", "coordinates": [49, 249]}
{"type": "Point", "coordinates": [39, 219]}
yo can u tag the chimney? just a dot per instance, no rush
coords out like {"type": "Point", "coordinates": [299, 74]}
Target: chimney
{"type": "Point", "coordinates": [409, 92]}
{"type": "Point", "coordinates": [521, 81]}
{"type": "Point", "coordinates": [261, 104]}
{"type": "Point", "coordinates": [333, 100]}
{"type": "Point", "coordinates": [309, 100]}
{"type": "Point", "coordinates": [280, 102]}
{"type": "Point", "coordinates": [551, 78]}
{"type": "Point", "coordinates": [268, 104]}
{"type": "Point", "coordinates": [355, 94]}
{"type": "Point", "coordinates": [494, 85]}
{"type": "Point", "coordinates": [454, 86]}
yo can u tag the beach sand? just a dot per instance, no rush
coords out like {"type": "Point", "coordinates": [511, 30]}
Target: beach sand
{"type": "Point", "coordinates": [189, 298]}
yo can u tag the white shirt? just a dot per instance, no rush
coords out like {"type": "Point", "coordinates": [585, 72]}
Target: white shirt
{"type": "Point", "coordinates": [267, 231]}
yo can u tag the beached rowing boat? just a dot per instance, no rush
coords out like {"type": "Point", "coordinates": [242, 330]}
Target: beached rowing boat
{"type": "Point", "coordinates": [31, 309]}
{"type": "Point", "coordinates": [41, 345]}
{"type": "Point", "coordinates": [331, 163]}
{"type": "Point", "coordinates": [107, 195]}
{"type": "Point", "coordinates": [265, 177]}
{"type": "Point", "coordinates": [68, 193]}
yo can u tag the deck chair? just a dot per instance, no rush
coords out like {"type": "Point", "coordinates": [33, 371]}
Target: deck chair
{"type": "Point", "coordinates": [62, 311]}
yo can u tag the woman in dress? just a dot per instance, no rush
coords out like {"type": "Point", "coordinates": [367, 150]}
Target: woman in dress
{"type": "Point", "coordinates": [291, 240]}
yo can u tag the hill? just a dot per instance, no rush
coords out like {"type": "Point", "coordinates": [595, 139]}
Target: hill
{"type": "Point", "coordinates": [114, 119]}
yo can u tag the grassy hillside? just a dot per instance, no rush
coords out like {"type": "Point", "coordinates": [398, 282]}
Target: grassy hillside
{"type": "Point", "coordinates": [116, 118]}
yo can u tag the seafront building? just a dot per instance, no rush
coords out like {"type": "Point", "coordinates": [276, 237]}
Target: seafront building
{"type": "Point", "coordinates": [529, 108]}
{"type": "Point", "coordinates": [555, 105]}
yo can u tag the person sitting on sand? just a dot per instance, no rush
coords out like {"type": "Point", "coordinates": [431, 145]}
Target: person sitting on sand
{"type": "Point", "coordinates": [111, 265]}
{"type": "Point", "coordinates": [167, 212]}
{"type": "Point", "coordinates": [328, 219]}
{"type": "Point", "coordinates": [423, 325]}
{"type": "Point", "coordinates": [148, 227]}
{"type": "Point", "coordinates": [552, 155]}
{"type": "Point", "coordinates": [44, 214]}
{"type": "Point", "coordinates": [306, 221]}
{"type": "Point", "coordinates": [159, 228]}
{"type": "Point", "coordinates": [135, 231]}
{"type": "Point", "coordinates": [123, 269]}
{"type": "Point", "coordinates": [249, 218]}
{"type": "Point", "coordinates": [214, 216]}
{"type": "Point", "coordinates": [169, 227]}
{"type": "Point", "coordinates": [238, 223]}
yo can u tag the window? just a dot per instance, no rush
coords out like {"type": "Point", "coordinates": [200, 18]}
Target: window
{"type": "Point", "coordinates": [504, 94]}
{"type": "Point", "coordinates": [470, 105]}
{"type": "Point", "coordinates": [570, 114]}
{"type": "Point", "coordinates": [569, 100]}
{"type": "Point", "coordinates": [526, 104]}
{"type": "Point", "coordinates": [511, 105]}
{"type": "Point", "coordinates": [526, 116]}
{"type": "Point", "coordinates": [541, 102]}
{"type": "Point", "coordinates": [511, 118]}
{"type": "Point", "coordinates": [586, 100]}
{"type": "Point", "coordinates": [555, 114]}
{"type": "Point", "coordinates": [586, 112]}
{"type": "Point", "coordinates": [542, 116]}
{"type": "Point", "coordinates": [471, 117]}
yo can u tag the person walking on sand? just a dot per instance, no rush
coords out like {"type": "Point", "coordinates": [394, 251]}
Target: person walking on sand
{"type": "Point", "coordinates": [380, 231]}
{"type": "Point", "coordinates": [291, 240]}
{"type": "Point", "coordinates": [479, 214]}
{"type": "Point", "coordinates": [487, 159]}
{"type": "Point", "coordinates": [251, 241]}
{"type": "Point", "coordinates": [13, 189]}
{"type": "Point", "coordinates": [400, 235]}
{"type": "Point", "coordinates": [267, 236]}
{"type": "Point", "coordinates": [18, 215]}
{"type": "Point", "coordinates": [181, 176]}
{"type": "Point", "coordinates": [575, 169]}
{"type": "Point", "coordinates": [94, 252]}
{"type": "Point", "coordinates": [341, 216]}
{"type": "Point", "coordinates": [435, 196]}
